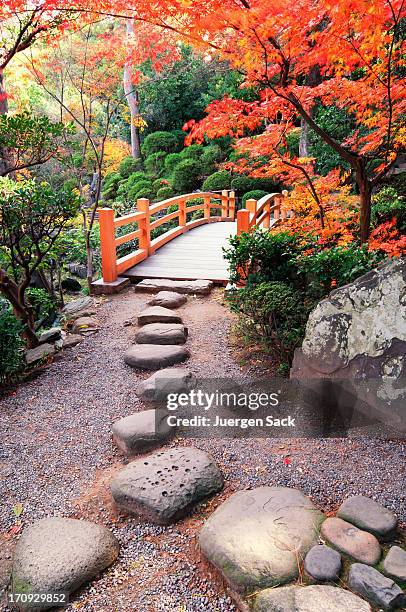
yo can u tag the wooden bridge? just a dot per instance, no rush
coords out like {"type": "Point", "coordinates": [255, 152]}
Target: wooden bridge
{"type": "Point", "coordinates": [190, 248]}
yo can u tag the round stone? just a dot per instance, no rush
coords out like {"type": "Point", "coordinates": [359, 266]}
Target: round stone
{"type": "Point", "coordinates": [323, 564]}
{"type": "Point", "coordinates": [60, 555]}
{"type": "Point", "coordinates": [162, 333]}
{"type": "Point", "coordinates": [141, 431]}
{"type": "Point", "coordinates": [348, 539]}
{"type": "Point", "coordinates": [154, 356]}
{"type": "Point", "coordinates": [163, 487]}
{"type": "Point", "coordinates": [309, 599]}
{"type": "Point", "coordinates": [256, 537]}
{"type": "Point", "coordinates": [168, 299]}
{"type": "Point", "coordinates": [368, 515]}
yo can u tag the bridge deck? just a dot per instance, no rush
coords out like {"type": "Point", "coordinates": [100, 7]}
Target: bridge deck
{"type": "Point", "coordinates": [197, 254]}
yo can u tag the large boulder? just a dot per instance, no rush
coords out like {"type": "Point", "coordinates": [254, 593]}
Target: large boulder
{"type": "Point", "coordinates": [359, 334]}
{"type": "Point", "coordinates": [154, 356]}
{"type": "Point", "coordinates": [382, 592]}
{"type": "Point", "coordinates": [348, 539]}
{"type": "Point", "coordinates": [56, 555]}
{"type": "Point", "coordinates": [154, 285]}
{"type": "Point", "coordinates": [163, 487]}
{"type": "Point", "coordinates": [367, 514]}
{"type": "Point", "coordinates": [141, 431]}
{"type": "Point", "coordinates": [309, 599]}
{"type": "Point", "coordinates": [82, 307]}
{"type": "Point", "coordinates": [257, 537]}
{"type": "Point", "coordinates": [162, 333]}
{"type": "Point", "coordinates": [51, 335]}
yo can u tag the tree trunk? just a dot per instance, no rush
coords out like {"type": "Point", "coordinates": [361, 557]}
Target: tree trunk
{"type": "Point", "coordinates": [304, 139]}
{"type": "Point", "coordinates": [132, 100]}
{"type": "Point", "coordinates": [365, 190]}
{"type": "Point", "coordinates": [11, 291]}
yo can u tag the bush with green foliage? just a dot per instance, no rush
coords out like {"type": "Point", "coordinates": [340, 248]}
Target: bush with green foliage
{"type": "Point", "coordinates": [211, 156]}
{"type": "Point", "coordinates": [11, 345]}
{"type": "Point", "coordinates": [257, 194]}
{"type": "Point", "coordinates": [111, 185]}
{"type": "Point", "coordinates": [339, 124]}
{"type": "Point", "coordinates": [160, 141]}
{"type": "Point", "coordinates": [171, 161]}
{"type": "Point", "coordinates": [42, 302]}
{"type": "Point", "coordinates": [217, 181]}
{"type": "Point", "coordinates": [272, 314]}
{"type": "Point", "coordinates": [128, 189]}
{"type": "Point", "coordinates": [386, 204]}
{"type": "Point", "coordinates": [293, 141]}
{"type": "Point", "coordinates": [164, 193]}
{"type": "Point", "coordinates": [155, 163]}
{"type": "Point", "coordinates": [193, 151]}
{"type": "Point", "coordinates": [128, 166]}
{"type": "Point", "coordinates": [186, 175]}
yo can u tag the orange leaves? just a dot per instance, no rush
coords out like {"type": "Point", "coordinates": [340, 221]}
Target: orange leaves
{"type": "Point", "coordinates": [386, 237]}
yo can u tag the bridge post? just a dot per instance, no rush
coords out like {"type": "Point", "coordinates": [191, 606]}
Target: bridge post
{"type": "Point", "coordinates": [108, 244]}
{"type": "Point", "coordinates": [231, 205]}
{"type": "Point", "coordinates": [207, 201]}
{"type": "Point", "coordinates": [144, 226]}
{"type": "Point", "coordinates": [224, 204]}
{"type": "Point", "coordinates": [182, 213]}
{"type": "Point", "coordinates": [243, 221]}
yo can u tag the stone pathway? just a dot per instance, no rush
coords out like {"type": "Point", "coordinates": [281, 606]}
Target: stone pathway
{"type": "Point", "coordinates": [259, 538]}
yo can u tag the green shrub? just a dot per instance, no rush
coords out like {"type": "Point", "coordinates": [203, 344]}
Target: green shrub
{"type": "Point", "coordinates": [155, 163]}
{"type": "Point", "coordinates": [145, 192]}
{"type": "Point", "coordinates": [212, 155]}
{"type": "Point", "coordinates": [164, 193]}
{"type": "Point", "coordinates": [185, 177]}
{"type": "Point", "coordinates": [160, 141]}
{"type": "Point", "coordinates": [273, 315]}
{"type": "Point", "coordinates": [193, 152]}
{"type": "Point", "coordinates": [11, 346]}
{"type": "Point", "coordinates": [257, 194]}
{"type": "Point", "coordinates": [111, 185]}
{"type": "Point", "coordinates": [264, 256]}
{"type": "Point", "coordinates": [387, 203]}
{"type": "Point", "coordinates": [171, 161]}
{"type": "Point", "coordinates": [128, 166]}
{"type": "Point", "coordinates": [217, 182]}
{"type": "Point", "coordinates": [293, 141]}
{"type": "Point", "coordinates": [43, 304]}
{"type": "Point", "coordinates": [180, 138]}
{"type": "Point", "coordinates": [335, 267]}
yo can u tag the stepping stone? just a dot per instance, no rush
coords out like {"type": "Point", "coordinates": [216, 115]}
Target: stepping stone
{"type": "Point", "coordinates": [85, 325]}
{"type": "Point", "coordinates": [141, 431]}
{"type": "Point", "coordinates": [82, 307]}
{"type": "Point", "coordinates": [380, 591]}
{"type": "Point", "coordinates": [394, 564]}
{"type": "Point", "coordinates": [170, 380]}
{"type": "Point", "coordinates": [51, 335]}
{"type": "Point", "coordinates": [367, 514]}
{"type": "Point", "coordinates": [154, 285]}
{"type": "Point", "coordinates": [323, 564]}
{"type": "Point", "coordinates": [348, 539]}
{"type": "Point", "coordinates": [155, 356]}
{"type": "Point", "coordinates": [163, 487]}
{"type": "Point", "coordinates": [256, 537]}
{"type": "Point", "coordinates": [38, 353]}
{"type": "Point", "coordinates": [162, 333]}
{"type": "Point", "coordinates": [309, 599]}
{"type": "Point", "coordinates": [158, 314]}
{"type": "Point", "coordinates": [60, 555]}
{"type": "Point", "coordinates": [71, 340]}
{"type": "Point", "coordinates": [168, 299]}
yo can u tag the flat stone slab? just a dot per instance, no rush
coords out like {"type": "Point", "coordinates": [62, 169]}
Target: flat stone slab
{"type": "Point", "coordinates": [51, 335]}
{"type": "Point", "coordinates": [155, 356]}
{"type": "Point", "coordinates": [323, 564]}
{"type": "Point", "coordinates": [39, 352]}
{"type": "Point", "coordinates": [348, 539]}
{"type": "Point", "coordinates": [256, 537]}
{"type": "Point", "coordinates": [158, 314]}
{"type": "Point", "coordinates": [81, 307]}
{"type": "Point", "coordinates": [85, 325]}
{"type": "Point", "coordinates": [376, 588]}
{"type": "Point", "coordinates": [367, 514]}
{"type": "Point", "coordinates": [154, 285]}
{"type": "Point", "coordinates": [60, 555]}
{"type": "Point", "coordinates": [309, 599]}
{"type": "Point", "coordinates": [71, 340]}
{"type": "Point", "coordinates": [170, 380]}
{"type": "Point", "coordinates": [168, 299]}
{"type": "Point", "coordinates": [100, 287]}
{"type": "Point", "coordinates": [394, 564]}
{"type": "Point", "coordinates": [163, 487]}
{"type": "Point", "coordinates": [141, 431]}
{"type": "Point", "coordinates": [162, 333]}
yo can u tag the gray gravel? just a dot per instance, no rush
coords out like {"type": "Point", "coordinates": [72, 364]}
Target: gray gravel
{"type": "Point", "coordinates": [56, 458]}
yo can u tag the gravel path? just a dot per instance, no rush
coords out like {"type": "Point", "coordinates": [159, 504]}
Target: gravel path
{"type": "Point", "coordinates": [56, 458]}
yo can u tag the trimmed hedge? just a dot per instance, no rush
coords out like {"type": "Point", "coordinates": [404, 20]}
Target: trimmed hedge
{"type": "Point", "coordinates": [185, 177]}
{"type": "Point", "coordinates": [160, 141]}
{"type": "Point", "coordinates": [128, 166]}
{"type": "Point", "coordinates": [257, 194]}
{"type": "Point", "coordinates": [217, 181]}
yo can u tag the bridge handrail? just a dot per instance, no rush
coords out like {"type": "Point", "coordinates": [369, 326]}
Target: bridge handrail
{"type": "Point", "coordinates": [266, 212]}
{"type": "Point", "coordinates": [144, 218]}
